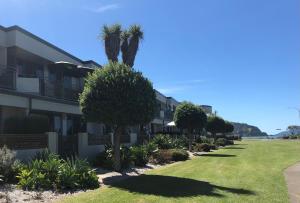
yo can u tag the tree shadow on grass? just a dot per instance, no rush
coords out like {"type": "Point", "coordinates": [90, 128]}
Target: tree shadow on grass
{"type": "Point", "coordinates": [219, 155]}
{"type": "Point", "coordinates": [169, 186]}
{"type": "Point", "coordinates": [234, 148]}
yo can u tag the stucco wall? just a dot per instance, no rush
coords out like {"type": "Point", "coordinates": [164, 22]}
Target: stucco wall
{"type": "Point", "coordinates": [56, 107]}
{"type": "Point", "coordinates": [15, 101]}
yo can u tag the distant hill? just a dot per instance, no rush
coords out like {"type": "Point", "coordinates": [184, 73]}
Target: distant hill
{"type": "Point", "coordinates": [245, 130]}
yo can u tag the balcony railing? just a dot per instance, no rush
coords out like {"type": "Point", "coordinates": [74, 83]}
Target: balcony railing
{"type": "Point", "coordinates": [7, 77]}
{"type": "Point", "coordinates": [58, 90]}
{"type": "Point", "coordinates": [43, 87]}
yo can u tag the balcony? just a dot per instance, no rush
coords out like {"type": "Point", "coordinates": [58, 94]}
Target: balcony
{"type": "Point", "coordinates": [7, 78]}
{"type": "Point", "coordinates": [34, 85]}
{"type": "Point", "coordinates": [58, 90]}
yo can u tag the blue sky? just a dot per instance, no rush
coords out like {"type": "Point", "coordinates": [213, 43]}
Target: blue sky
{"type": "Point", "coordinates": [241, 57]}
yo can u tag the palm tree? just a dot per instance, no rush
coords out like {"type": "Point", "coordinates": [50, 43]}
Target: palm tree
{"type": "Point", "coordinates": [136, 34]}
{"type": "Point", "coordinates": [112, 40]}
{"type": "Point", "coordinates": [124, 45]}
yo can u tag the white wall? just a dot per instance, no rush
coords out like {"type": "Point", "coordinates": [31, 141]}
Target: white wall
{"type": "Point", "coordinates": [86, 151]}
{"type": "Point", "coordinates": [56, 107]}
{"type": "Point", "coordinates": [15, 101]}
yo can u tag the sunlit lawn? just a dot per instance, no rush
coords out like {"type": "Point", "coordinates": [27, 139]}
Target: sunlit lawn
{"type": "Point", "coordinates": [250, 171]}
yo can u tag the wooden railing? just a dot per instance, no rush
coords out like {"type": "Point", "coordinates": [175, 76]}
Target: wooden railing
{"type": "Point", "coordinates": [24, 141]}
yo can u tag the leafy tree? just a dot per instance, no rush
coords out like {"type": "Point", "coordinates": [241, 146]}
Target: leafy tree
{"type": "Point", "coordinates": [215, 125]}
{"type": "Point", "coordinates": [118, 96]}
{"type": "Point", "coordinates": [228, 128]}
{"type": "Point", "coordinates": [189, 117]}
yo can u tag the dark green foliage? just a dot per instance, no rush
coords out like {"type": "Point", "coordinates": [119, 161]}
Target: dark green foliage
{"type": "Point", "coordinates": [163, 141]}
{"type": "Point", "coordinates": [51, 172]}
{"type": "Point", "coordinates": [221, 142]}
{"type": "Point", "coordinates": [167, 142]}
{"type": "Point", "coordinates": [32, 124]}
{"type": "Point", "coordinates": [164, 156]}
{"type": "Point", "coordinates": [139, 155]}
{"type": "Point", "coordinates": [189, 116]}
{"type": "Point", "coordinates": [213, 147]}
{"type": "Point", "coordinates": [118, 95]}
{"type": "Point", "coordinates": [215, 125]}
{"type": "Point", "coordinates": [203, 147]}
{"type": "Point", "coordinates": [204, 139]}
{"type": "Point", "coordinates": [179, 155]}
{"type": "Point", "coordinates": [150, 148]}
{"type": "Point", "coordinates": [44, 155]}
{"type": "Point", "coordinates": [228, 127]}
{"type": "Point", "coordinates": [105, 159]}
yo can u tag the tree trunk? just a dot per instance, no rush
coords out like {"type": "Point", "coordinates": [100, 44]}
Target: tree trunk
{"type": "Point", "coordinates": [117, 159]}
{"type": "Point", "coordinates": [190, 141]}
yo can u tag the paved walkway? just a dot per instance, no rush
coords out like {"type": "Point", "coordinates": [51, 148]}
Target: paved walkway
{"type": "Point", "coordinates": [292, 178]}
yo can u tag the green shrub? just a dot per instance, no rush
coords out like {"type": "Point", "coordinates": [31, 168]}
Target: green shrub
{"type": "Point", "coordinates": [204, 139]}
{"type": "Point", "coordinates": [229, 142]}
{"type": "Point", "coordinates": [51, 172]}
{"type": "Point", "coordinates": [139, 155]}
{"type": "Point", "coordinates": [167, 142]}
{"type": "Point", "coordinates": [150, 148]}
{"type": "Point", "coordinates": [164, 156]}
{"type": "Point", "coordinates": [202, 147]}
{"type": "Point", "coordinates": [179, 155]}
{"type": "Point", "coordinates": [8, 164]}
{"type": "Point", "coordinates": [213, 147]}
{"type": "Point", "coordinates": [163, 141]}
{"type": "Point", "coordinates": [221, 142]}
{"type": "Point", "coordinates": [105, 159]}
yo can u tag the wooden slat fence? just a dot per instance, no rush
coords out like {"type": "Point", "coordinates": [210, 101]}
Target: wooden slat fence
{"type": "Point", "coordinates": [24, 141]}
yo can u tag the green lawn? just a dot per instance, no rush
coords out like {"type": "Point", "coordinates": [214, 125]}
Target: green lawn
{"type": "Point", "coordinates": [250, 171]}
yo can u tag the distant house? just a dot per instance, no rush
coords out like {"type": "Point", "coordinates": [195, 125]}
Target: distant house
{"type": "Point", "coordinates": [38, 78]}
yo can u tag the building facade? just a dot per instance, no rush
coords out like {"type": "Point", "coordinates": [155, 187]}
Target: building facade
{"type": "Point", "coordinates": [38, 78]}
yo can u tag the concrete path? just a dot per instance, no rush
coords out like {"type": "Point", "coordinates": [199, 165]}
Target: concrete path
{"type": "Point", "coordinates": [292, 178]}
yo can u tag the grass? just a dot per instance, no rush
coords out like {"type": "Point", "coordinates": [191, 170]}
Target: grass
{"type": "Point", "coordinates": [250, 171]}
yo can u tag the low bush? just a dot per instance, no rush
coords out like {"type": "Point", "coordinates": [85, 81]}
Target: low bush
{"type": "Point", "coordinates": [221, 142]}
{"type": "Point", "coordinates": [213, 147]}
{"type": "Point", "coordinates": [105, 159]}
{"type": "Point", "coordinates": [8, 165]}
{"type": "Point", "coordinates": [204, 139]}
{"type": "Point", "coordinates": [163, 141]}
{"type": "Point", "coordinates": [139, 155]}
{"type": "Point", "coordinates": [164, 156]}
{"type": "Point", "coordinates": [202, 147]}
{"type": "Point", "coordinates": [167, 142]}
{"type": "Point", "coordinates": [51, 172]}
{"type": "Point", "coordinates": [150, 148]}
{"type": "Point", "coordinates": [179, 155]}
{"type": "Point", "coordinates": [229, 142]}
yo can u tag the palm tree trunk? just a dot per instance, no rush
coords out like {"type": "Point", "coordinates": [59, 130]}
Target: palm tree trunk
{"type": "Point", "coordinates": [132, 50]}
